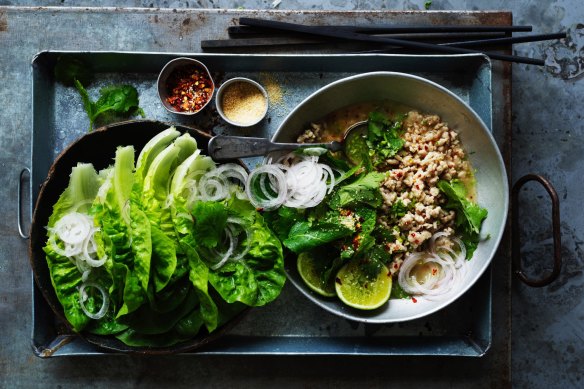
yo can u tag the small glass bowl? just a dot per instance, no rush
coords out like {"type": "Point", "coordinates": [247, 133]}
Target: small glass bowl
{"type": "Point", "coordinates": [166, 74]}
{"type": "Point", "coordinates": [241, 88]}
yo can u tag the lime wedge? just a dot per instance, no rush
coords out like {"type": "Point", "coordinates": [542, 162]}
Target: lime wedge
{"type": "Point", "coordinates": [311, 269]}
{"type": "Point", "coordinates": [360, 290]}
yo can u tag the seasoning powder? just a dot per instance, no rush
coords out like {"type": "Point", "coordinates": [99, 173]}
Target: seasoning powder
{"type": "Point", "coordinates": [243, 103]}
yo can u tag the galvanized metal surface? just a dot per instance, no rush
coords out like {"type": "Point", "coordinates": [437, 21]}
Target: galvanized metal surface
{"type": "Point", "coordinates": [548, 323]}
{"type": "Point", "coordinates": [59, 120]}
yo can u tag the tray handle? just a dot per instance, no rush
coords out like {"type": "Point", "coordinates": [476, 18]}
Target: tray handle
{"type": "Point", "coordinates": [24, 173]}
{"type": "Point", "coordinates": [516, 244]}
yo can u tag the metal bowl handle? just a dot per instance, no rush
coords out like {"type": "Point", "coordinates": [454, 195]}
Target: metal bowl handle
{"type": "Point", "coordinates": [25, 172]}
{"type": "Point", "coordinates": [516, 244]}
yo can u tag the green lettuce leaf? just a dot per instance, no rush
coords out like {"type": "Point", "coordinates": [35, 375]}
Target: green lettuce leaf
{"type": "Point", "coordinates": [65, 277]}
{"type": "Point", "coordinates": [258, 277]}
{"type": "Point", "coordinates": [210, 219]}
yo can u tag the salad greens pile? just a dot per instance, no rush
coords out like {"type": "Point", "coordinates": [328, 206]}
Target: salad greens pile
{"type": "Point", "coordinates": [155, 238]}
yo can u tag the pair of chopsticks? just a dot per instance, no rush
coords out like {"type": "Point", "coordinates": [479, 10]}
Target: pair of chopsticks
{"type": "Point", "coordinates": [408, 37]}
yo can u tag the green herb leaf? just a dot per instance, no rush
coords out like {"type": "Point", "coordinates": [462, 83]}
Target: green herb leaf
{"type": "Point", "coordinates": [114, 99]}
{"type": "Point", "coordinates": [398, 209]}
{"type": "Point", "coordinates": [307, 235]}
{"type": "Point", "coordinates": [469, 216]}
{"type": "Point", "coordinates": [363, 191]}
{"type": "Point", "coordinates": [383, 137]}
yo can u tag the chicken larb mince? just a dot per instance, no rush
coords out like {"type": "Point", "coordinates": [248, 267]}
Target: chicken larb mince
{"type": "Point", "coordinates": [432, 152]}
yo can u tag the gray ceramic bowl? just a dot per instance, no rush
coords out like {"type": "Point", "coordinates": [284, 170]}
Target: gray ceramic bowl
{"type": "Point", "coordinates": [166, 73]}
{"type": "Point", "coordinates": [427, 97]}
{"type": "Point", "coordinates": [231, 82]}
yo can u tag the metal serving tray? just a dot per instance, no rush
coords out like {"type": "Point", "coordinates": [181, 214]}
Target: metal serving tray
{"type": "Point", "coordinates": [291, 325]}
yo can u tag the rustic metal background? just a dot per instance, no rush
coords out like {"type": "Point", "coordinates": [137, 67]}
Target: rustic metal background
{"type": "Point", "coordinates": [546, 340]}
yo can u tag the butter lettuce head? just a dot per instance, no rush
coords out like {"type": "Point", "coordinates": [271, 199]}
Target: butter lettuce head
{"type": "Point", "coordinates": [156, 235]}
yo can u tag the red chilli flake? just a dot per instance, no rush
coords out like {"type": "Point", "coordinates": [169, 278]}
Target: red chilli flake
{"type": "Point", "coordinates": [414, 300]}
{"type": "Point", "coordinates": [356, 242]}
{"type": "Point", "coordinates": [189, 89]}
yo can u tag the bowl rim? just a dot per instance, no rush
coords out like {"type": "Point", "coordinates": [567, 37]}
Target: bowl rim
{"type": "Point", "coordinates": [369, 316]}
{"type": "Point", "coordinates": [221, 90]}
{"type": "Point", "coordinates": [165, 73]}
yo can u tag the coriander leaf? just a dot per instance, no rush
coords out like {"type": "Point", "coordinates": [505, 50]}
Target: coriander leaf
{"type": "Point", "coordinates": [398, 209]}
{"type": "Point", "coordinates": [383, 137]}
{"type": "Point", "coordinates": [363, 191]}
{"type": "Point", "coordinates": [456, 193]}
{"type": "Point", "coordinates": [367, 218]}
{"type": "Point", "coordinates": [357, 150]}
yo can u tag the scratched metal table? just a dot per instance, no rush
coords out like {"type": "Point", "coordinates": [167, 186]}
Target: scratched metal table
{"type": "Point", "coordinates": [181, 31]}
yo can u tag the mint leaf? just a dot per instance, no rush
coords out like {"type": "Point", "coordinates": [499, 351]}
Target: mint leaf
{"type": "Point", "coordinates": [469, 216]}
{"type": "Point", "coordinates": [117, 99]}
{"type": "Point", "coordinates": [363, 191]}
{"type": "Point", "coordinates": [307, 235]}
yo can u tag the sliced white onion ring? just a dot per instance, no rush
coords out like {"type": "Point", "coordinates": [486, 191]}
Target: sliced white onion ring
{"type": "Point", "coordinates": [83, 297]}
{"type": "Point", "coordinates": [225, 256]}
{"type": "Point", "coordinates": [233, 221]}
{"type": "Point", "coordinates": [90, 247]}
{"type": "Point", "coordinates": [267, 201]}
{"type": "Point", "coordinates": [450, 265]}
{"type": "Point", "coordinates": [73, 228]}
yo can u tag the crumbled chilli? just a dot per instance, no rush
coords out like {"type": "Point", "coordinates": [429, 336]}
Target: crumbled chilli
{"type": "Point", "coordinates": [190, 88]}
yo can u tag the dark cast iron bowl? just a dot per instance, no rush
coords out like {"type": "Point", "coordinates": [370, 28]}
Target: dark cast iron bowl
{"type": "Point", "coordinates": [98, 148]}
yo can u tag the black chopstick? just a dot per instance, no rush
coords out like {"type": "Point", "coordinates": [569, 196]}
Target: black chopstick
{"type": "Point", "coordinates": [253, 40]}
{"type": "Point", "coordinates": [490, 42]}
{"type": "Point", "coordinates": [336, 33]}
{"type": "Point", "coordinates": [508, 40]}
{"type": "Point", "coordinates": [390, 29]}
{"type": "Point", "coordinates": [259, 42]}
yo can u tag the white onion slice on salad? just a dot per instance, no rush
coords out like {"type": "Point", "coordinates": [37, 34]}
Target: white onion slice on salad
{"type": "Point", "coordinates": [232, 236]}
{"type": "Point", "coordinates": [294, 181]}
{"type": "Point", "coordinates": [73, 228]}
{"type": "Point", "coordinates": [442, 268]}
{"type": "Point", "coordinates": [83, 298]}
{"type": "Point", "coordinates": [78, 228]}
{"type": "Point", "coordinates": [267, 200]}
{"type": "Point", "coordinates": [219, 183]}
{"type": "Point", "coordinates": [224, 257]}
